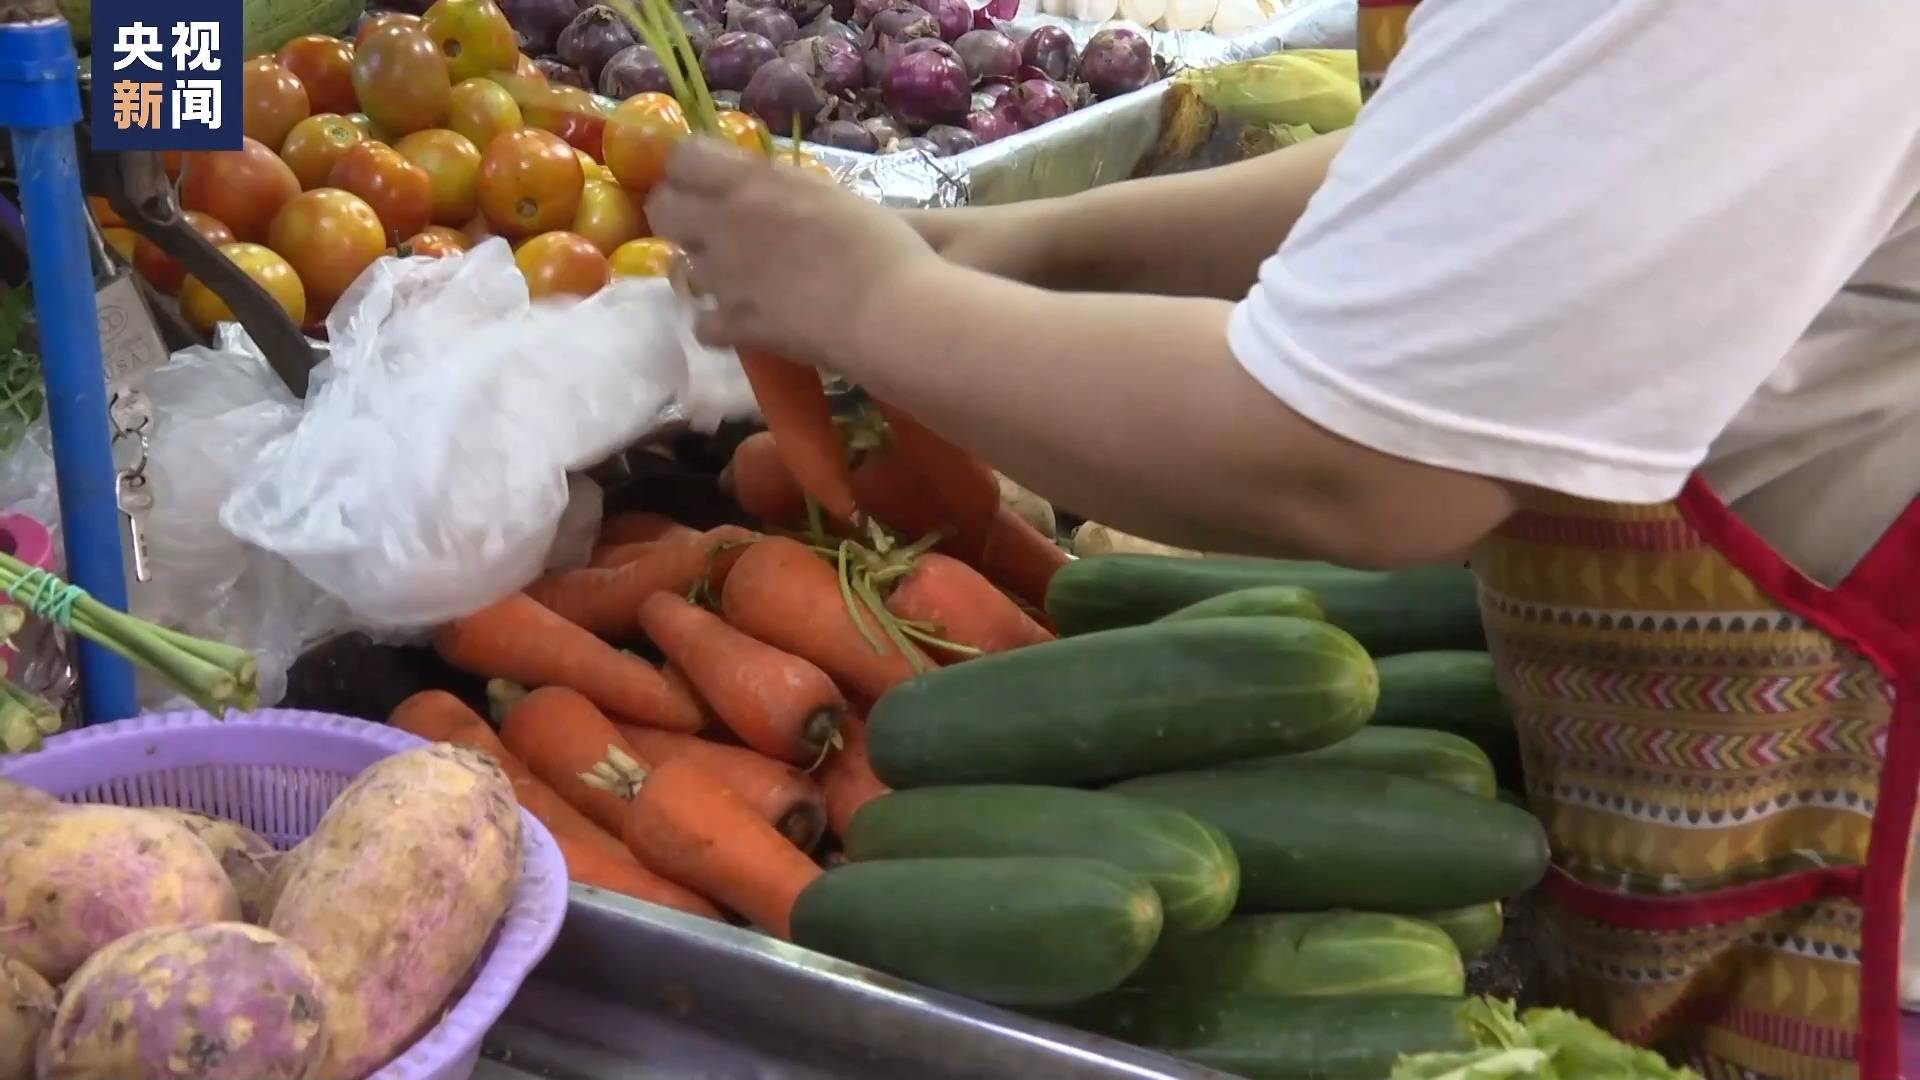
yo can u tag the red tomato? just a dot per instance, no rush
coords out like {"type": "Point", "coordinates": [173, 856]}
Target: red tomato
{"type": "Point", "coordinates": [121, 239]}
{"type": "Point", "coordinates": [648, 256]}
{"type": "Point", "coordinates": [474, 36]}
{"type": "Point", "coordinates": [316, 143]}
{"type": "Point", "coordinates": [527, 69]}
{"type": "Point", "coordinates": [160, 269]}
{"type": "Point", "coordinates": [640, 135]}
{"type": "Point", "coordinates": [530, 183]}
{"type": "Point", "coordinates": [205, 310]}
{"type": "Point", "coordinates": [745, 131]}
{"type": "Point", "coordinates": [244, 188]}
{"type": "Point", "coordinates": [482, 109]}
{"type": "Point", "coordinates": [383, 20]}
{"type": "Point", "coordinates": [400, 192]}
{"type": "Point", "coordinates": [324, 65]}
{"type": "Point", "coordinates": [328, 236]}
{"type": "Point", "coordinates": [453, 165]}
{"type": "Point", "coordinates": [274, 101]}
{"type": "Point", "coordinates": [573, 114]}
{"type": "Point", "coordinates": [401, 80]}
{"type": "Point", "coordinates": [434, 242]}
{"type": "Point", "coordinates": [608, 216]}
{"type": "Point", "coordinates": [365, 124]}
{"type": "Point", "coordinates": [562, 264]}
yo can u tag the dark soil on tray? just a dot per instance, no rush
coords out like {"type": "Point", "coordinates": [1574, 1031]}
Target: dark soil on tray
{"type": "Point", "coordinates": [1516, 968]}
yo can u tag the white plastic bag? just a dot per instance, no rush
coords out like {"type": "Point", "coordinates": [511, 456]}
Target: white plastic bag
{"type": "Point", "coordinates": [429, 474]}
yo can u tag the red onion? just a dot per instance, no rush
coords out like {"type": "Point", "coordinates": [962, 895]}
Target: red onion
{"type": "Point", "coordinates": [700, 30]}
{"type": "Point", "coordinates": [778, 93]}
{"type": "Point", "coordinates": [845, 135]}
{"type": "Point", "coordinates": [902, 22]}
{"type": "Point", "coordinates": [990, 91]}
{"type": "Point", "coordinates": [934, 45]}
{"type": "Point", "coordinates": [804, 11]}
{"type": "Point", "coordinates": [1050, 50]}
{"type": "Point", "coordinates": [771, 23]}
{"type": "Point", "coordinates": [828, 27]}
{"type": "Point", "coordinates": [1037, 101]}
{"type": "Point", "coordinates": [733, 57]}
{"type": "Point", "coordinates": [834, 63]}
{"type": "Point", "coordinates": [592, 38]}
{"type": "Point", "coordinates": [953, 16]}
{"type": "Point", "coordinates": [1117, 61]}
{"type": "Point", "coordinates": [561, 73]}
{"type": "Point", "coordinates": [951, 140]}
{"type": "Point", "coordinates": [926, 88]}
{"type": "Point", "coordinates": [988, 125]}
{"type": "Point", "coordinates": [634, 70]}
{"type": "Point", "coordinates": [538, 23]}
{"type": "Point", "coordinates": [988, 54]}
{"type": "Point", "coordinates": [865, 10]}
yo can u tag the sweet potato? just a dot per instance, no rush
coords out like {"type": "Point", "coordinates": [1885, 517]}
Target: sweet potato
{"type": "Point", "coordinates": [26, 1007]}
{"type": "Point", "coordinates": [276, 883]}
{"type": "Point", "coordinates": [15, 796]}
{"type": "Point", "coordinates": [246, 856]}
{"type": "Point", "coordinates": [396, 893]}
{"type": "Point", "coordinates": [224, 1001]}
{"type": "Point", "coordinates": [72, 882]}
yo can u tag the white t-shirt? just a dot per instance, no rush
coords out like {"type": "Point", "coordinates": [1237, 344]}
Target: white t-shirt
{"type": "Point", "coordinates": [1595, 245]}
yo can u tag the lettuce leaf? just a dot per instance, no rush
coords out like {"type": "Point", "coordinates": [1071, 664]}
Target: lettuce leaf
{"type": "Point", "coordinates": [1542, 1044]}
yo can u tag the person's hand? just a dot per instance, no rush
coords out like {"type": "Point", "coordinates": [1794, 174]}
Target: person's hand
{"type": "Point", "coordinates": [791, 262]}
{"type": "Point", "coordinates": [1013, 241]}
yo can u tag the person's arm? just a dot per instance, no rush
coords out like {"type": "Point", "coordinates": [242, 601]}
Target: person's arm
{"type": "Point", "coordinates": [1200, 233]}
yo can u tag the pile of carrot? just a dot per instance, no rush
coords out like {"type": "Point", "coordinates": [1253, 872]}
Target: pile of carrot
{"type": "Point", "coordinates": [707, 781]}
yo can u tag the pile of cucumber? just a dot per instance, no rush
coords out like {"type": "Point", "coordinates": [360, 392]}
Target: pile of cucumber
{"type": "Point", "coordinates": [1244, 811]}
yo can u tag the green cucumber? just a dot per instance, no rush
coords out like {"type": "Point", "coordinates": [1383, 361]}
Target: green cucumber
{"type": "Point", "coordinates": [1265, 600]}
{"type": "Point", "coordinates": [1322, 954]}
{"type": "Point", "coordinates": [1274, 1037]}
{"type": "Point", "coordinates": [1453, 691]}
{"type": "Point", "coordinates": [1189, 863]}
{"type": "Point", "coordinates": [1475, 929]}
{"type": "Point", "coordinates": [1439, 756]}
{"type": "Point", "coordinates": [1022, 930]}
{"type": "Point", "coordinates": [1125, 703]}
{"type": "Point", "coordinates": [1433, 607]}
{"type": "Point", "coordinates": [1315, 837]}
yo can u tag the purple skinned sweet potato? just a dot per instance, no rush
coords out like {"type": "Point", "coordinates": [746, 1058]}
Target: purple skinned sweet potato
{"type": "Point", "coordinates": [223, 1001]}
{"type": "Point", "coordinates": [248, 858]}
{"type": "Point", "coordinates": [426, 843]}
{"type": "Point", "coordinates": [74, 881]}
{"type": "Point", "coordinates": [26, 1008]}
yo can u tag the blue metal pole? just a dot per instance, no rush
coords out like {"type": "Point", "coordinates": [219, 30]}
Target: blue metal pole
{"type": "Point", "coordinates": [40, 103]}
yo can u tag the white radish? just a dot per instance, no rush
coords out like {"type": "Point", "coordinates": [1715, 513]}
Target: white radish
{"type": "Point", "coordinates": [1144, 12]}
{"type": "Point", "coordinates": [1092, 11]}
{"type": "Point", "coordinates": [1189, 14]}
{"type": "Point", "coordinates": [1239, 16]}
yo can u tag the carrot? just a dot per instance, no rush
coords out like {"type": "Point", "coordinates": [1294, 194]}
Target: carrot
{"type": "Point", "coordinates": [798, 413]}
{"type": "Point", "coordinates": [433, 715]}
{"type": "Point", "coordinates": [783, 795]}
{"type": "Point", "coordinates": [522, 640]}
{"type": "Point", "coordinates": [685, 685]}
{"type": "Point", "coordinates": [640, 526]}
{"type": "Point", "coordinates": [607, 600]}
{"type": "Point", "coordinates": [847, 778]}
{"type": "Point", "coordinates": [962, 606]}
{"type": "Point", "coordinates": [759, 480]}
{"type": "Point", "coordinates": [620, 872]}
{"type": "Point", "coordinates": [788, 597]}
{"type": "Point", "coordinates": [956, 479]}
{"type": "Point", "coordinates": [560, 735]}
{"type": "Point", "coordinates": [779, 704]}
{"type": "Point", "coordinates": [891, 490]}
{"type": "Point", "coordinates": [695, 831]}
{"type": "Point", "coordinates": [1015, 556]}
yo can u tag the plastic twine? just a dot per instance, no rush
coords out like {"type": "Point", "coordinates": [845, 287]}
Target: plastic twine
{"type": "Point", "coordinates": [47, 595]}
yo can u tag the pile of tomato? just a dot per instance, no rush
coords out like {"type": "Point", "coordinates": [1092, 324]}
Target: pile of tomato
{"type": "Point", "coordinates": [422, 136]}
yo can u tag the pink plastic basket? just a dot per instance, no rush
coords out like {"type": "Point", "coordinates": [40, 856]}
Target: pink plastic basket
{"type": "Point", "coordinates": [276, 771]}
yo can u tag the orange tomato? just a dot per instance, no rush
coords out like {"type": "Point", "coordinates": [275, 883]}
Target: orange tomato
{"type": "Point", "coordinates": [121, 239]}
{"type": "Point", "coordinates": [103, 212]}
{"type": "Point", "coordinates": [573, 114]}
{"type": "Point", "coordinates": [170, 161]}
{"type": "Point", "coordinates": [316, 143]}
{"type": "Point", "coordinates": [482, 109]}
{"type": "Point", "coordinates": [530, 183]}
{"type": "Point", "coordinates": [244, 188]}
{"type": "Point", "coordinates": [273, 100]}
{"type": "Point", "coordinates": [648, 256]}
{"type": "Point", "coordinates": [453, 164]}
{"type": "Point", "coordinates": [434, 242]}
{"type": "Point", "coordinates": [365, 124]}
{"type": "Point", "coordinates": [400, 192]}
{"type": "Point", "coordinates": [608, 216]}
{"type": "Point", "coordinates": [381, 22]}
{"type": "Point", "coordinates": [205, 310]}
{"type": "Point", "coordinates": [562, 264]}
{"type": "Point", "coordinates": [324, 65]}
{"type": "Point", "coordinates": [640, 134]}
{"type": "Point", "coordinates": [401, 80]}
{"type": "Point", "coordinates": [160, 269]}
{"type": "Point", "coordinates": [329, 236]}
{"type": "Point", "coordinates": [745, 131]}
{"type": "Point", "coordinates": [806, 163]}
{"type": "Point", "coordinates": [477, 231]}
{"type": "Point", "coordinates": [474, 36]}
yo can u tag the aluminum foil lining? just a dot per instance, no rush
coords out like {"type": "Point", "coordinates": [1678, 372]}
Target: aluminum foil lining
{"type": "Point", "coordinates": [1097, 145]}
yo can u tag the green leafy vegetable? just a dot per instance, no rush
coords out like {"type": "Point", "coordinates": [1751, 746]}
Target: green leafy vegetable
{"type": "Point", "coordinates": [1542, 1044]}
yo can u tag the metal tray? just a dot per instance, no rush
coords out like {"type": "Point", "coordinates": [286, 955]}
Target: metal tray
{"type": "Point", "coordinates": [637, 992]}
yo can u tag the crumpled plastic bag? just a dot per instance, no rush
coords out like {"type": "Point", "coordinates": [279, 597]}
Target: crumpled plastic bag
{"type": "Point", "coordinates": [428, 476]}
